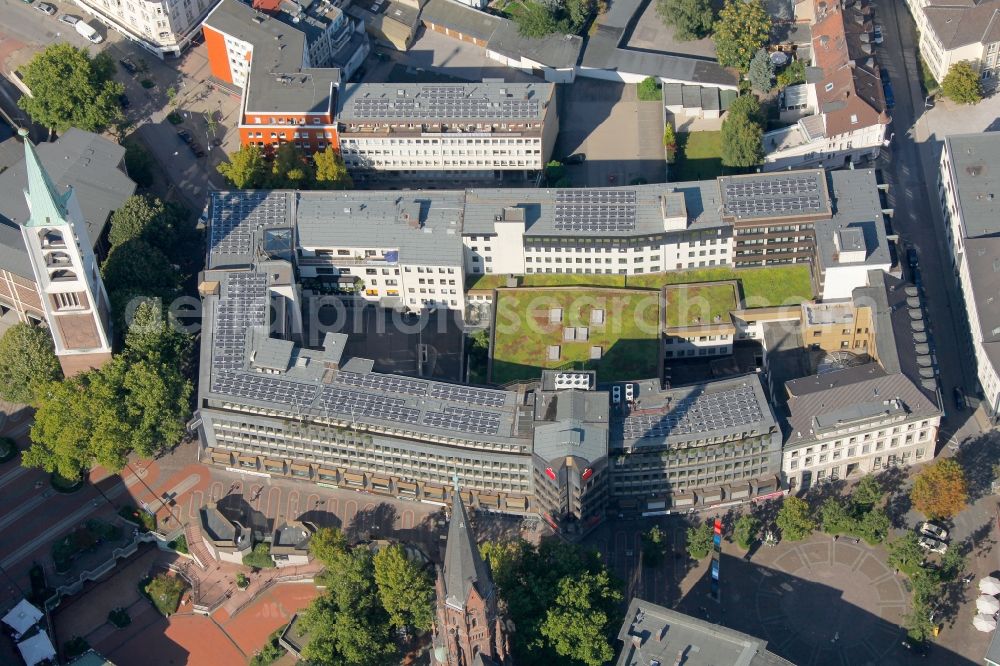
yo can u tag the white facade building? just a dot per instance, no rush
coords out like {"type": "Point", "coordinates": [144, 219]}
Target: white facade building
{"type": "Point", "coordinates": [969, 194]}
{"type": "Point", "coordinates": [447, 131]}
{"type": "Point", "coordinates": [841, 117]}
{"type": "Point", "coordinates": [162, 28]}
{"type": "Point", "coordinates": [952, 32]}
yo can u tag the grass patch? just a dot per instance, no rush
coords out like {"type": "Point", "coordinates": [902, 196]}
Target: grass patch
{"type": "Point", "coordinates": [628, 336]}
{"type": "Point", "coordinates": [63, 485]}
{"type": "Point", "coordinates": [648, 90]}
{"type": "Point", "coordinates": [145, 521]}
{"type": "Point", "coordinates": [690, 305]}
{"type": "Point", "coordinates": [699, 156]}
{"type": "Point", "coordinates": [927, 80]}
{"type": "Point", "coordinates": [8, 449]}
{"type": "Point", "coordinates": [165, 592]}
{"type": "Point", "coordinates": [762, 287]}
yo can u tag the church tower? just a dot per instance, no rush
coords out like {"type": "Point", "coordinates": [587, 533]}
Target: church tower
{"type": "Point", "coordinates": [470, 630]}
{"type": "Point", "coordinates": [62, 259]}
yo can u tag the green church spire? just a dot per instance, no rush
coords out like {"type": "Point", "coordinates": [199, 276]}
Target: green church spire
{"type": "Point", "coordinates": [47, 205]}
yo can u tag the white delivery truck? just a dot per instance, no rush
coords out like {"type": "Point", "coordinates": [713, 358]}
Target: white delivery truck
{"type": "Point", "coordinates": [87, 31]}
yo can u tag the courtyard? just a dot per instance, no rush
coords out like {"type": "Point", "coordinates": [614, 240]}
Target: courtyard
{"type": "Point", "coordinates": [612, 331]}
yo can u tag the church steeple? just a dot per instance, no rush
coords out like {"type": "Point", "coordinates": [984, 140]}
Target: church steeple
{"type": "Point", "coordinates": [464, 569]}
{"type": "Point", "coordinates": [62, 259]}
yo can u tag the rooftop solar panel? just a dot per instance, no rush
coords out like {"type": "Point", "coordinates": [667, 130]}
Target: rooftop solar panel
{"type": "Point", "coordinates": [595, 210]}
{"type": "Point", "coordinates": [719, 410]}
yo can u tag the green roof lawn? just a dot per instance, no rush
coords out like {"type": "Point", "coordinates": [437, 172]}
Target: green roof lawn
{"type": "Point", "coordinates": [691, 305]}
{"type": "Point", "coordinates": [629, 336]}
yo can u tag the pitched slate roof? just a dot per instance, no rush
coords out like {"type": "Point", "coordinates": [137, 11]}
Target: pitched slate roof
{"type": "Point", "coordinates": [464, 568]}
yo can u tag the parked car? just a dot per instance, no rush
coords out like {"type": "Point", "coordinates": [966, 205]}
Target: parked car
{"type": "Point", "coordinates": [124, 101]}
{"type": "Point", "coordinates": [184, 136]}
{"type": "Point", "coordinates": [69, 19]}
{"type": "Point", "coordinates": [575, 158]}
{"type": "Point", "coordinates": [883, 74]}
{"type": "Point", "coordinates": [197, 149]}
{"type": "Point", "coordinates": [911, 257]}
{"type": "Point", "coordinates": [933, 545]}
{"type": "Point", "coordinates": [88, 32]}
{"type": "Point", "coordinates": [128, 66]}
{"type": "Point", "coordinates": [890, 98]}
{"type": "Point", "coordinates": [959, 397]}
{"type": "Point", "coordinates": [933, 530]}
{"type": "Point", "coordinates": [877, 38]}
{"type": "Point", "coordinates": [46, 8]}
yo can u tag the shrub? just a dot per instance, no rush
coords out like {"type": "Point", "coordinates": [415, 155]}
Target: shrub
{"type": "Point", "coordinates": [75, 647]}
{"type": "Point", "coordinates": [745, 531]}
{"type": "Point", "coordinates": [699, 541]}
{"type": "Point", "coordinates": [165, 592]}
{"type": "Point", "coordinates": [180, 544]}
{"type": "Point", "coordinates": [8, 449]}
{"type": "Point", "coordinates": [120, 618]}
{"type": "Point", "coordinates": [259, 557]}
{"type": "Point", "coordinates": [242, 581]}
{"type": "Point", "coordinates": [145, 520]}
{"type": "Point", "coordinates": [648, 90]}
{"type": "Point", "coordinates": [271, 652]}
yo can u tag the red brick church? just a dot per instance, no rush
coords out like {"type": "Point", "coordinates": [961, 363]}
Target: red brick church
{"type": "Point", "coordinates": [470, 630]}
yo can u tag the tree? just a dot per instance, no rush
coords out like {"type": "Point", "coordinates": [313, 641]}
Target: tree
{"type": "Point", "coordinates": [331, 173]}
{"type": "Point", "coordinates": [670, 142]}
{"type": "Point", "coordinates": [138, 163]}
{"type": "Point", "coordinates": [577, 624]}
{"type": "Point", "coordinates": [962, 84]}
{"type": "Point", "coordinates": [835, 518]}
{"type": "Point", "coordinates": [690, 19]}
{"type": "Point", "coordinates": [792, 74]}
{"type": "Point", "coordinates": [341, 637]}
{"type": "Point", "coordinates": [327, 545]}
{"type": "Point", "coordinates": [867, 493]}
{"type": "Point", "coordinates": [71, 89]}
{"type": "Point", "coordinates": [742, 140]}
{"type": "Point", "coordinates": [554, 171]}
{"type": "Point", "coordinates": [245, 169]}
{"type": "Point", "coordinates": [290, 169]}
{"type": "Point", "coordinates": [653, 546]}
{"type": "Point", "coordinates": [905, 553]}
{"type": "Point", "coordinates": [952, 564]}
{"type": "Point", "coordinates": [536, 20]}
{"type": "Point", "coordinates": [405, 589]}
{"type": "Point", "coordinates": [873, 526]}
{"type": "Point", "coordinates": [137, 270]}
{"type": "Point", "coordinates": [940, 490]}
{"type": "Point", "coordinates": [578, 12]}
{"type": "Point", "coordinates": [699, 541]}
{"type": "Point", "coordinates": [794, 519]}
{"type": "Point", "coordinates": [745, 531]}
{"type": "Point", "coordinates": [142, 217]}
{"type": "Point", "coordinates": [743, 27]}
{"type": "Point", "coordinates": [749, 106]}
{"type": "Point", "coordinates": [761, 71]}
{"type": "Point", "coordinates": [27, 362]}
{"type": "Point", "coordinates": [648, 90]}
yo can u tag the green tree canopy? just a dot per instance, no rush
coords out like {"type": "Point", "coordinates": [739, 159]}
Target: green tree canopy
{"type": "Point", "coordinates": [867, 493]}
{"type": "Point", "coordinates": [745, 531]}
{"type": "Point", "coordinates": [71, 89]}
{"type": "Point", "coordinates": [962, 84]}
{"type": "Point", "coordinates": [742, 140]}
{"type": "Point", "coordinates": [138, 163]}
{"type": "Point", "coordinates": [792, 74]}
{"type": "Point", "coordinates": [143, 217]}
{"type": "Point", "coordinates": [654, 545]}
{"type": "Point", "coordinates": [940, 490]}
{"type": "Point", "coordinates": [795, 520]}
{"type": "Point", "coordinates": [245, 169]}
{"type": "Point", "coordinates": [873, 526]}
{"type": "Point", "coordinates": [405, 589]}
{"type": "Point", "coordinates": [331, 173]}
{"type": "Point", "coordinates": [290, 169]}
{"type": "Point", "coordinates": [137, 270]}
{"type": "Point", "coordinates": [905, 553]}
{"type": "Point", "coordinates": [835, 518]}
{"type": "Point", "coordinates": [327, 545]}
{"type": "Point", "coordinates": [27, 362]}
{"type": "Point", "coordinates": [538, 19]}
{"type": "Point", "coordinates": [690, 19]}
{"type": "Point", "coordinates": [578, 624]}
{"type": "Point", "coordinates": [743, 27]}
{"type": "Point", "coordinates": [761, 72]}
{"type": "Point", "coordinates": [699, 541]}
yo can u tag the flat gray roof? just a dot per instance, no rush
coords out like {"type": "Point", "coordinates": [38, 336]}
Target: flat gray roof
{"type": "Point", "coordinates": [652, 634]}
{"type": "Point", "coordinates": [983, 257]}
{"type": "Point", "coordinates": [423, 228]}
{"type": "Point", "coordinates": [444, 103]}
{"type": "Point", "coordinates": [85, 161]}
{"type": "Point", "coordinates": [857, 218]}
{"type": "Point", "coordinates": [975, 168]}
{"type": "Point", "coordinates": [277, 81]}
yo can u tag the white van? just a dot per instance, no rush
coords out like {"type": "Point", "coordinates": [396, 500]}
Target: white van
{"type": "Point", "coordinates": [87, 31]}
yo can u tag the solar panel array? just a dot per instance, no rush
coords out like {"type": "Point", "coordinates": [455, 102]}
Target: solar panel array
{"type": "Point", "coordinates": [234, 216]}
{"type": "Point", "coordinates": [472, 421]}
{"type": "Point", "coordinates": [367, 405]}
{"type": "Point", "coordinates": [595, 210]}
{"type": "Point", "coordinates": [774, 196]}
{"type": "Point", "coordinates": [243, 306]}
{"type": "Point", "coordinates": [390, 383]}
{"type": "Point", "coordinates": [719, 410]}
{"type": "Point", "coordinates": [442, 104]}
{"type": "Point", "coordinates": [468, 395]}
{"type": "Point", "coordinates": [264, 388]}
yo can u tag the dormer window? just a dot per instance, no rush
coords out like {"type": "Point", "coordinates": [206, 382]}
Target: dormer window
{"type": "Point", "coordinates": [854, 119]}
{"type": "Point", "coordinates": [828, 87]}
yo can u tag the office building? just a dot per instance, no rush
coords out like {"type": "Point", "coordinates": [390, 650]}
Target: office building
{"type": "Point", "coordinates": [287, 66]}
{"type": "Point", "coordinates": [840, 115]}
{"type": "Point", "coordinates": [652, 634]}
{"type": "Point", "coordinates": [969, 193]}
{"type": "Point", "coordinates": [94, 169]}
{"type": "Point", "coordinates": [952, 32]}
{"type": "Point", "coordinates": [61, 256]}
{"type": "Point", "coordinates": [851, 422]}
{"type": "Point", "coordinates": [452, 132]}
{"type": "Point", "coordinates": [164, 29]}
